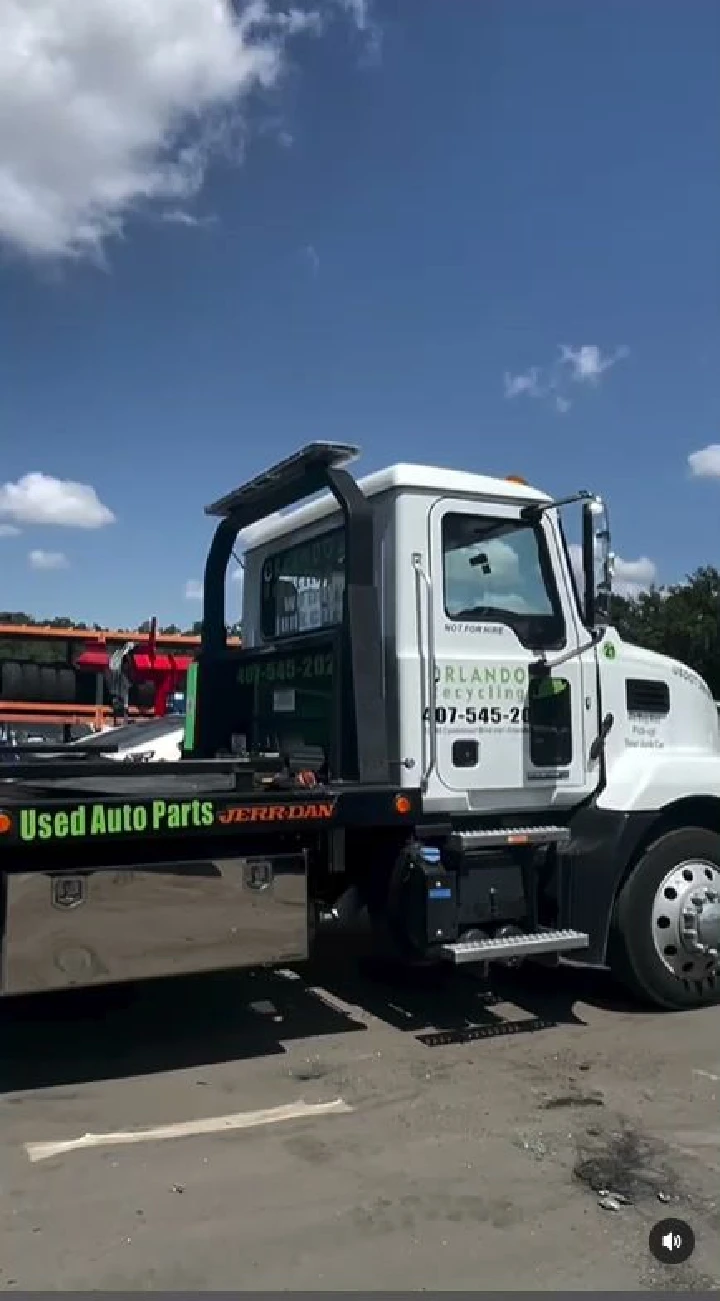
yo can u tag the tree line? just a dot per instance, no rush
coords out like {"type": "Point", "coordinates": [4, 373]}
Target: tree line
{"type": "Point", "coordinates": [682, 620]}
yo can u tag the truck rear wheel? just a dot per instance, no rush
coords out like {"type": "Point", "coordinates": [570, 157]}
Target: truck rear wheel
{"type": "Point", "coordinates": [665, 933]}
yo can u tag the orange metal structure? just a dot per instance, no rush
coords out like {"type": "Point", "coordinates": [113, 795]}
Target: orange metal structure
{"type": "Point", "coordinates": [27, 712]}
{"type": "Point", "coordinates": [116, 636]}
{"type": "Point", "coordinates": [24, 712]}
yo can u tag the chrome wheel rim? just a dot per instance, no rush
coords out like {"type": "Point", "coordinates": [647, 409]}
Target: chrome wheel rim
{"type": "Point", "coordinates": [686, 923]}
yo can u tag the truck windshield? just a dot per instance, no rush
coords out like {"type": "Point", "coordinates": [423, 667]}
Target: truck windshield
{"type": "Point", "coordinates": [302, 586]}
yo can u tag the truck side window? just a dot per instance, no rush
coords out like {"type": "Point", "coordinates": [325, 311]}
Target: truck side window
{"type": "Point", "coordinates": [499, 571]}
{"type": "Point", "coordinates": [302, 587]}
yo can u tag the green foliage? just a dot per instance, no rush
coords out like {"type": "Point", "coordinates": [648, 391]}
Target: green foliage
{"type": "Point", "coordinates": [682, 621]}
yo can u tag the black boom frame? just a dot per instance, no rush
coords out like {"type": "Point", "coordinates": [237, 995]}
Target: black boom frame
{"type": "Point", "coordinates": [317, 467]}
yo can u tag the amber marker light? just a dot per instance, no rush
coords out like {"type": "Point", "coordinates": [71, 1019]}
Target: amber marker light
{"type": "Point", "coordinates": [5, 824]}
{"type": "Point", "coordinates": [402, 804]}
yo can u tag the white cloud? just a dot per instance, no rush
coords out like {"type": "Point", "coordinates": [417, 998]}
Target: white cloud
{"type": "Point", "coordinates": [312, 258]}
{"type": "Point", "coordinates": [359, 13]}
{"type": "Point", "coordinates": [40, 499]}
{"type": "Point", "coordinates": [194, 587]}
{"type": "Point", "coordinates": [359, 10]}
{"type": "Point", "coordinates": [583, 365]}
{"type": "Point", "coordinates": [179, 217]}
{"type": "Point", "coordinates": [110, 105]}
{"type": "Point", "coordinates": [705, 463]}
{"type": "Point", "coordinates": [527, 384]}
{"type": "Point", "coordinates": [8, 531]}
{"type": "Point", "coordinates": [630, 577]}
{"type": "Point", "coordinates": [47, 560]}
{"type": "Point", "coordinates": [587, 363]}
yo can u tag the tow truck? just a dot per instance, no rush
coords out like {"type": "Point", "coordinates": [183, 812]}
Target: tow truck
{"type": "Point", "coordinates": [430, 719]}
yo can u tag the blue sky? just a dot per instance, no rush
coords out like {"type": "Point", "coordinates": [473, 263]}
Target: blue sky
{"type": "Point", "coordinates": [434, 197]}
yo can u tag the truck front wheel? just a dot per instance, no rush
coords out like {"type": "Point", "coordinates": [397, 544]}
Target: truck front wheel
{"type": "Point", "coordinates": [665, 931]}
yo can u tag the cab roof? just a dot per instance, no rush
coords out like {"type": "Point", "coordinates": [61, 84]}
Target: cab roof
{"type": "Point", "coordinates": [411, 478]}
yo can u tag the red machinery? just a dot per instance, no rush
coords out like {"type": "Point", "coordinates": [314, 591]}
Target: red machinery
{"type": "Point", "coordinates": [136, 664]}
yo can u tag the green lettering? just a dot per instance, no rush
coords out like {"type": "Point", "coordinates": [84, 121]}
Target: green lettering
{"type": "Point", "coordinates": [114, 822]}
{"type": "Point", "coordinates": [174, 817]}
{"type": "Point", "coordinates": [207, 814]}
{"type": "Point", "coordinates": [97, 820]}
{"type": "Point", "coordinates": [139, 819]}
{"type": "Point", "coordinates": [28, 824]}
{"type": "Point", "coordinates": [77, 821]}
{"type": "Point", "coordinates": [158, 814]}
{"type": "Point", "coordinates": [44, 826]}
{"type": "Point", "coordinates": [62, 824]}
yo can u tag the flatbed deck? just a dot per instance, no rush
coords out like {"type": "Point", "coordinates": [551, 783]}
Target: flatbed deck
{"type": "Point", "coordinates": [75, 805]}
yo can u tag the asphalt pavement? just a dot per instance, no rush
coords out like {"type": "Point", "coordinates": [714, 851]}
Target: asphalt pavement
{"type": "Point", "coordinates": [331, 1130]}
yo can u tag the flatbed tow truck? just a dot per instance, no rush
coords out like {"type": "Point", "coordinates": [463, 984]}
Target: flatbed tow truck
{"type": "Point", "coordinates": [427, 720]}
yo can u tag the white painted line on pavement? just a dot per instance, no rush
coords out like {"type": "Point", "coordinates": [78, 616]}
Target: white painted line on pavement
{"type": "Point", "coordinates": [708, 1075]}
{"type": "Point", "coordinates": [188, 1128]}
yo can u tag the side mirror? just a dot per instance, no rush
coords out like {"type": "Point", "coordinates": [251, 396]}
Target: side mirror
{"type": "Point", "coordinates": [597, 564]}
{"type": "Point", "coordinates": [588, 560]}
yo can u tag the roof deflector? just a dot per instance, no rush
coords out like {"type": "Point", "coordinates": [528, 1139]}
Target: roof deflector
{"type": "Point", "coordinates": [291, 480]}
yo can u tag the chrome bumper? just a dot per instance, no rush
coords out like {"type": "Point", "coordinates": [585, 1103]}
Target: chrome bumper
{"type": "Point", "coordinates": [105, 925]}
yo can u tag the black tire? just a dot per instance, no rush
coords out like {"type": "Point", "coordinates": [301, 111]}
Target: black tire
{"type": "Point", "coordinates": [392, 947]}
{"type": "Point", "coordinates": [30, 682]}
{"type": "Point", "coordinates": [47, 682]}
{"type": "Point", "coordinates": [11, 681]}
{"type": "Point", "coordinates": [632, 955]}
{"type": "Point", "coordinates": [65, 686]}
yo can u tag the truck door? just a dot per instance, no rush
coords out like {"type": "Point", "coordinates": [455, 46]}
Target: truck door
{"type": "Point", "coordinates": [501, 600]}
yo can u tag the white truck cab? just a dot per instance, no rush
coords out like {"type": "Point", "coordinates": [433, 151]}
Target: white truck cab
{"type": "Point", "coordinates": [511, 699]}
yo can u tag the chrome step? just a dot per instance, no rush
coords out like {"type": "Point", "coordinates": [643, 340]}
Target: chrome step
{"type": "Point", "coordinates": [513, 946]}
{"type": "Point", "coordinates": [465, 842]}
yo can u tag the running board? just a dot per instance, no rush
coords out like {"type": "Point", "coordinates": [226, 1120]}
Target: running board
{"type": "Point", "coordinates": [465, 842]}
{"type": "Point", "coordinates": [513, 946]}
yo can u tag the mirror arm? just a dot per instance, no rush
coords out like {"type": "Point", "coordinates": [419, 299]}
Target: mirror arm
{"type": "Point", "coordinates": [542, 668]}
